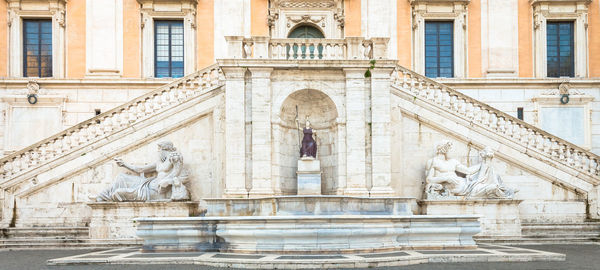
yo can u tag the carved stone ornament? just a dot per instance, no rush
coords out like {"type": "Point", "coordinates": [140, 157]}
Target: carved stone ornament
{"type": "Point", "coordinates": [305, 3]}
{"type": "Point", "coordinates": [480, 181]}
{"type": "Point", "coordinates": [166, 185]}
{"type": "Point", "coordinates": [563, 89]}
{"type": "Point", "coordinates": [293, 20]}
{"type": "Point", "coordinates": [33, 88]}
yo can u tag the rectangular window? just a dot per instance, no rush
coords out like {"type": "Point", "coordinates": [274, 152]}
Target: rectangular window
{"type": "Point", "coordinates": [37, 48]}
{"type": "Point", "coordinates": [439, 49]}
{"type": "Point", "coordinates": [168, 49]}
{"type": "Point", "coordinates": [560, 49]}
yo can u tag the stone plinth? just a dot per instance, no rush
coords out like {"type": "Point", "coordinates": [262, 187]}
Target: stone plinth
{"type": "Point", "coordinates": [309, 176]}
{"type": "Point", "coordinates": [310, 205]}
{"type": "Point", "coordinates": [114, 220]}
{"type": "Point", "coordinates": [499, 218]}
{"type": "Point", "coordinates": [308, 234]}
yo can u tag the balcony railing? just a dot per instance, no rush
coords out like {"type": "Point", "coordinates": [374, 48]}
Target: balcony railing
{"type": "Point", "coordinates": [349, 48]}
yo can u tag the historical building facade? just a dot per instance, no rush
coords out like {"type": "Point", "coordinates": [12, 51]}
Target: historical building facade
{"type": "Point", "coordinates": [85, 81]}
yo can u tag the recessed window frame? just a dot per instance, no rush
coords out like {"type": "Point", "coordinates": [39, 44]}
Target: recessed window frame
{"type": "Point", "coordinates": [170, 23]}
{"type": "Point", "coordinates": [560, 10]}
{"type": "Point", "coordinates": [571, 39]}
{"type": "Point", "coordinates": [438, 24]}
{"type": "Point", "coordinates": [39, 22]}
{"type": "Point", "coordinates": [43, 9]}
{"type": "Point", "coordinates": [451, 10]}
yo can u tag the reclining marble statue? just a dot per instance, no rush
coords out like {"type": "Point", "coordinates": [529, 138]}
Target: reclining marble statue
{"type": "Point", "coordinates": [480, 181]}
{"type": "Point", "coordinates": [167, 185]}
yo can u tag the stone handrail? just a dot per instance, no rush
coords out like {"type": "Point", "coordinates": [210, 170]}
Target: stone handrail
{"type": "Point", "coordinates": [110, 122]}
{"type": "Point", "coordinates": [492, 119]}
{"type": "Point", "coordinates": [349, 48]}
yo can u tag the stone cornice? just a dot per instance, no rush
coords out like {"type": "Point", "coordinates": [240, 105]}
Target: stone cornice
{"type": "Point", "coordinates": [536, 2]}
{"type": "Point", "coordinates": [413, 2]}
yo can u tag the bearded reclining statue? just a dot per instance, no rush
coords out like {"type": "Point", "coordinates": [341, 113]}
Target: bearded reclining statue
{"type": "Point", "coordinates": [480, 181]}
{"type": "Point", "coordinates": [167, 185]}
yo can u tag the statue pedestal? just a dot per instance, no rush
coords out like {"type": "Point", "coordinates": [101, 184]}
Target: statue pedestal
{"type": "Point", "coordinates": [114, 220]}
{"type": "Point", "coordinates": [309, 176]}
{"type": "Point", "coordinates": [500, 218]}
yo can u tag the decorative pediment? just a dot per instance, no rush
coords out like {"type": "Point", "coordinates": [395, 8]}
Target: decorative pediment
{"type": "Point", "coordinates": [328, 16]}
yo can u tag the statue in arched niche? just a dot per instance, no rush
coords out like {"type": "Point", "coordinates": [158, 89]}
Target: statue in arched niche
{"type": "Point", "coordinates": [309, 145]}
{"type": "Point", "coordinates": [167, 185]}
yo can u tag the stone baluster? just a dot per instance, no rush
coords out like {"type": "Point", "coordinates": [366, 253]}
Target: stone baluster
{"type": "Point", "coordinates": [577, 160]}
{"type": "Point", "coordinates": [485, 117]}
{"type": "Point", "coordinates": [469, 111]}
{"type": "Point", "coordinates": [428, 92]}
{"type": "Point", "coordinates": [446, 98]}
{"type": "Point", "coordinates": [508, 127]}
{"type": "Point", "coordinates": [539, 141]}
{"type": "Point", "coordinates": [35, 157]}
{"type": "Point", "coordinates": [501, 125]}
{"type": "Point", "coordinates": [517, 132]}
{"type": "Point", "coordinates": [437, 95]}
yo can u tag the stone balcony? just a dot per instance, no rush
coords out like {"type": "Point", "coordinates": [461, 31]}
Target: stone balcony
{"type": "Point", "coordinates": [349, 48]}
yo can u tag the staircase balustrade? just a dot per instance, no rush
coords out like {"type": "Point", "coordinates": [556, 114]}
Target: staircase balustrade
{"type": "Point", "coordinates": [496, 121]}
{"type": "Point", "coordinates": [110, 122]}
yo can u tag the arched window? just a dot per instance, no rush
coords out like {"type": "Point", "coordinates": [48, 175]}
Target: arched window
{"type": "Point", "coordinates": [305, 31]}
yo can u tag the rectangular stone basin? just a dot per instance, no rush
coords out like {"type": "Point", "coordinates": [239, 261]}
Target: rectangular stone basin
{"type": "Point", "coordinates": [308, 234]}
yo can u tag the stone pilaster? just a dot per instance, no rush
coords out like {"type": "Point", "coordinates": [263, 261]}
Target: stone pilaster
{"type": "Point", "coordinates": [356, 181]}
{"type": "Point", "coordinates": [261, 132]}
{"type": "Point", "coordinates": [381, 132]}
{"type": "Point", "coordinates": [235, 148]}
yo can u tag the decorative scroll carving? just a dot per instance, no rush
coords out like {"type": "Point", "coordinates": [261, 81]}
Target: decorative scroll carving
{"type": "Point", "coordinates": [292, 20]}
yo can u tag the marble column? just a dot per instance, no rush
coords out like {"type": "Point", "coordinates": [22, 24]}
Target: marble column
{"type": "Point", "coordinates": [356, 181]}
{"type": "Point", "coordinates": [235, 139]}
{"type": "Point", "coordinates": [381, 152]}
{"type": "Point", "coordinates": [261, 132]}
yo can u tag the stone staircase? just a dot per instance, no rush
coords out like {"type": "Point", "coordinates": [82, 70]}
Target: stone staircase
{"type": "Point", "coordinates": [52, 237]}
{"type": "Point", "coordinates": [553, 233]}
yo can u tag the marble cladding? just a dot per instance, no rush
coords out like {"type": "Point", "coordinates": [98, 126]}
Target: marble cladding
{"type": "Point", "coordinates": [114, 220]}
{"type": "Point", "coordinates": [308, 234]}
{"type": "Point", "coordinates": [310, 205]}
{"type": "Point", "coordinates": [499, 217]}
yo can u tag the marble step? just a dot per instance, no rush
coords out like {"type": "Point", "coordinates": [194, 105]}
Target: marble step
{"type": "Point", "coordinates": [46, 232]}
{"type": "Point", "coordinates": [39, 243]}
{"type": "Point", "coordinates": [575, 230]}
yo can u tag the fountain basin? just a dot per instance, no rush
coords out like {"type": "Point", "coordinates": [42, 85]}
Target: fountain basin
{"type": "Point", "coordinates": [308, 234]}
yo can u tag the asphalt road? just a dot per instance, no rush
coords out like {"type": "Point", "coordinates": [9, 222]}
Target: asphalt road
{"type": "Point", "coordinates": [579, 257]}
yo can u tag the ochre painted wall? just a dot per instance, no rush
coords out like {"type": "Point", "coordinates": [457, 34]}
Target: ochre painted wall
{"type": "Point", "coordinates": [75, 35]}
{"type": "Point", "coordinates": [594, 39]}
{"type": "Point", "coordinates": [258, 13]}
{"type": "Point", "coordinates": [352, 16]}
{"type": "Point", "coordinates": [404, 33]}
{"type": "Point", "coordinates": [205, 33]}
{"type": "Point", "coordinates": [3, 40]}
{"type": "Point", "coordinates": [525, 39]}
{"type": "Point", "coordinates": [132, 39]}
{"type": "Point", "coordinates": [474, 39]}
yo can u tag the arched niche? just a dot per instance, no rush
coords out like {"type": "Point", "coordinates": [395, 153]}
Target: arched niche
{"type": "Point", "coordinates": [322, 114]}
